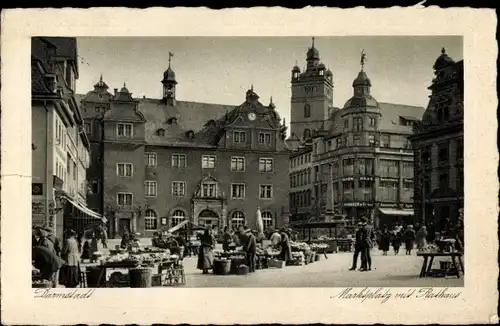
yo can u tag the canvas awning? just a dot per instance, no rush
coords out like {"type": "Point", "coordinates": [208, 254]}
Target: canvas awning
{"type": "Point", "coordinates": [398, 212]}
{"type": "Point", "coordinates": [86, 210]}
{"type": "Point", "coordinates": [183, 224]}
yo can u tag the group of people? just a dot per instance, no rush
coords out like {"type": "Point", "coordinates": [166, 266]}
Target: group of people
{"type": "Point", "coordinates": [58, 264]}
{"type": "Point", "coordinates": [363, 245]}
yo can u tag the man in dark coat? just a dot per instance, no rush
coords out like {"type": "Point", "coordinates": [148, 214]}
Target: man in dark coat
{"type": "Point", "coordinates": [358, 246]}
{"type": "Point", "coordinates": [367, 243]}
{"type": "Point", "coordinates": [250, 248]}
{"type": "Point", "coordinates": [46, 260]}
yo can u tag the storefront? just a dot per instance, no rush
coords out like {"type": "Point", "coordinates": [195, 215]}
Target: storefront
{"type": "Point", "coordinates": [393, 214]}
{"type": "Point", "coordinates": [80, 218]}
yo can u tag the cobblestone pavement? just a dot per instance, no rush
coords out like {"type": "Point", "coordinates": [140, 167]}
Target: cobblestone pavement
{"type": "Point", "coordinates": [388, 271]}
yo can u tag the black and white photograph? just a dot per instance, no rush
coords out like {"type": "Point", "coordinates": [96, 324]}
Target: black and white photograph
{"type": "Point", "coordinates": [277, 162]}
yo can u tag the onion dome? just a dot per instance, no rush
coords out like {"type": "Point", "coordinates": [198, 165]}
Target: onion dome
{"type": "Point", "coordinates": [443, 61]}
{"type": "Point", "coordinates": [362, 80]}
{"type": "Point", "coordinates": [124, 89]}
{"type": "Point", "coordinates": [101, 84]}
{"type": "Point", "coordinates": [312, 53]}
{"type": "Point", "coordinates": [366, 101]}
{"type": "Point", "coordinates": [329, 73]}
{"type": "Point", "coordinates": [321, 66]}
{"type": "Point", "coordinates": [295, 68]}
{"type": "Point", "coordinates": [169, 75]}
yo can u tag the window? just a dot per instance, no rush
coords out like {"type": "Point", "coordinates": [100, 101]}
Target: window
{"type": "Point", "coordinates": [389, 168]}
{"type": "Point", "coordinates": [237, 191]}
{"type": "Point", "coordinates": [178, 188]}
{"type": "Point", "coordinates": [266, 165]}
{"type": "Point", "coordinates": [150, 188]}
{"type": "Point", "coordinates": [358, 124]}
{"type": "Point", "coordinates": [124, 199]}
{"type": "Point", "coordinates": [307, 111]}
{"type": "Point", "coordinates": [346, 141]}
{"type": "Point", "coordinates": [389, 190]}
{"type": "Point", "coordinates": [150, 159]}
{"type": "Point", "coordinates": [372, 122]}
{"type": "Point", "coordinates": [329, 145]}
{"type": "Point", "coordinates": [357, 140]}
{"type": "Point", "coordinates": [338, 143]}
{"type": "Point", "coordinates": [124, 129]}
{"type": "Point", "coordinates": [88, 128]}
{"type": "Point", "coordinates": [208, 162]}
{"type": "Point", "coordinates": [178, 217]}
{"type": "Point", "coordinates": [94, 186]}
{"type": "Point", "coordinates": [306, 134]}
{"type": "Point", "coordinates": [443, 180]}
{"type": "Point", "coordinates": [150, 220]}
{"type": "Point", "coordinates": [386, 140]}
{"type": "Point", "coordinates": [371, 139]}
{"type": "Point", "coordinates": [237, 219]}
{"type": "Point", "coordinates": [239, 136]}
{"type": "Point", "coordinates": [179, 160]}
{"type": "Point", "coordinates": [237, 163]}
{"type": "Point", "coordinates": [266, 192]}
{"type": "Point", "coordinates": [124, 169]}
{"type": "Point", "coordinates": [346, 123]}
{"type": "Point", "coordinates": [267, 219]}
{"type": "Point", "coordinates": [265, 138]}
{"type": "Point", "coordinates": [407, 184]}
{"type": "Point", "coordinates": [426, 157]}
{"type": "Point", "coordinates": [209, 190]}
{"type": "Point", "coordinates": [443, 153]}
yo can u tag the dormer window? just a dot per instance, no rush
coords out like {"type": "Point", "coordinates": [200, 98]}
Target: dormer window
{"type": "Point", "coordinates": [172, 121]}
{"type": "Point", "coordinates": [190, 134]}
{"type": "Point", "coordinates": [160, 132]}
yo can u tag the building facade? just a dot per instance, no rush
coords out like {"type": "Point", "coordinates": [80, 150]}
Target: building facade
{"type": "Point", "coordinates": [439, 148]}
{"type": "Point", "coordinates": [60, 148]}
{"type": "Point", "coordinates": [158, 162]}
{"type": "Point", "coordinates": [301, 185]}
{"type": "Point", "coordinates": [362, 149]}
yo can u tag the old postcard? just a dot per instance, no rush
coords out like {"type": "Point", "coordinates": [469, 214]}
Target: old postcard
{"type": "Point", "coordinates": [188, 167]}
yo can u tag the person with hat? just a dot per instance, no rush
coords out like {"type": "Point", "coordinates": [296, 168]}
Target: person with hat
{"type": "Point", "coordinates": [250, 247]}
{"type": "Point", "coordinates": [69, 275]}
{"type": "Point", "coordinates": [286, 248]}
{"type": "Point", "coordinates": [358, 246]}
{"type": "Point", "coordinates": [47, 262]}
{"type": "Point", "coordinates": [409, 239]}
{"type": "Point", "coordinates": [367, 243]}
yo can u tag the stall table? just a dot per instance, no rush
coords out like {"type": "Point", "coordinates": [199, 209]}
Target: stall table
{"type": "Point", "coordinates": [427, 264]}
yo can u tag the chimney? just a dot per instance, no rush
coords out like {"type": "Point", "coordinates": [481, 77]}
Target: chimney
{"type": "Point", "coordinates": [116, 91]}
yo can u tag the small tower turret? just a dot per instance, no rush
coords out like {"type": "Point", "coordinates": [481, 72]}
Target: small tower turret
{"type": "Point", "coordinates": [169, 83]}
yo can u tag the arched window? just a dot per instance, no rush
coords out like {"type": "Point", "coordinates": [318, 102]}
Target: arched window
{"type": "Point", "coordinates": [307, 134]}
{"type": "Point", "coordinates": [307, 111]}
{"type": "Point", "coordinates": [178, 217]}
{"type": "Point", "coordinates": [267, 219]}
{"type": "Point", "coordinates": [237, 219]}
{"type": "Point", "coordinates": [150, 220]}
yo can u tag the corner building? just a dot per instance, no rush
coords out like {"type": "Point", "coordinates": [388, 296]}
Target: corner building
{"type": "Point", "coordinates": [439, 148]}
{"type": "Point", "coordinates": [159, 162]}
{"type": "Point", "coordinates": [364, 144]}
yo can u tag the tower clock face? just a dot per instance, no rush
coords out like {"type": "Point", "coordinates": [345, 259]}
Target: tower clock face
{"type": "Point", "coordinates": [251, 116]}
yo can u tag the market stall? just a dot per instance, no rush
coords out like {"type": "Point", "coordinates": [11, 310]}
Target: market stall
{"type": "Point", "coordinates": [335, 239]}
{"type": "Point", "coordinates": [145, 267]}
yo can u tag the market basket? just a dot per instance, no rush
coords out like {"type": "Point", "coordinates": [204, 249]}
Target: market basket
{"type": "Point", "coordinates": [222, 266]}
{"type": "Point", "coordinates": [242, 270]}
{"type": "Point", "coordinates": [140, 277]}
{"type": "Point", "coordinates": [317, 257]}
{"type": "Point", "coordinates": [156, 280]}
{"type": "Point", "coordinates": [235, 263]}
{"type": "Point", "coordinates": [275, 263]}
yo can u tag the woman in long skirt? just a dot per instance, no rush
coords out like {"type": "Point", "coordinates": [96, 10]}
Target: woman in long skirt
{"type": "Point", "coordinates": [409, 239]}
{"type": "Point", "coordinates": [385, 241]}
{"type": "Point", "coordinates": [206, 255]}
{"type": "Point", "coordinates": [396, 242]}
{"type": "Point", "coordinates": [69, 274]}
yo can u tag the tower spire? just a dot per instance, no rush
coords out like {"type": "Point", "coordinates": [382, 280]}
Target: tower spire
{"type": "Point", "coordinates": [170, 55]}
{"type": "Point", "coordinates": [313, 41]}
{"type": "Point", "coordinates": [100, 79]}
{"type": "Point", "coordinates": [363, 59]}
{"type": "Point", "coordinates": [251, 87]}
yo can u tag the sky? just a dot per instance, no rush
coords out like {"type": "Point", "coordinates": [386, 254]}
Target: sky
{"type": "Point", "coordinates": [221, 69]}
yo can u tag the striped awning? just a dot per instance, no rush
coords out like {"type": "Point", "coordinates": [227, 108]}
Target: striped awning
{"type": "Point", "coordinates": [86, 210]}
{"type": "Point", "coordinates": [397, 212]}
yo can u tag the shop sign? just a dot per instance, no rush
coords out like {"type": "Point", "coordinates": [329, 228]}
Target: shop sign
{"type": "Point", "coordinates": [366, 178]}
{"type": "Point", "coordinates": [163, 221]}
{"type": "Point", "coordinates": [408, 206]}
{"type": "Point", "coordinates": [357, 204]}
{"type": "Point", "coordinates": [37, 189]}
{"type": "Point", "coordinates": [388, 205]}
{"type": "Point", "coordinates": [389, 179]}
{"type": "Point", "coordinates": [348, 179]}
{"type": "Point", "coordinates": [38, 207]}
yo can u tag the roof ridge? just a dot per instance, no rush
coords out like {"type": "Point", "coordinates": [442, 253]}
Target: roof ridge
{"type": "Point", "coordinates": [407, 105]}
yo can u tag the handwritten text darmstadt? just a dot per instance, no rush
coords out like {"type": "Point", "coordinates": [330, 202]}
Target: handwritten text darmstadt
{"type": "Point", "coordinates": [385, 294]}
{"type": "Point", "coordinates": [61, 294]}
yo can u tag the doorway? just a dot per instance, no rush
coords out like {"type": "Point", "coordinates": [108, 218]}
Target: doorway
{"type": "Point", "coordinates": [124, 224]}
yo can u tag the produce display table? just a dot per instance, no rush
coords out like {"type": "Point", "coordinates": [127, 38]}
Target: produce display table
{"type": "Point", "coordinates": [96, 275]}
{"type": "Point", "coordinates": [427, 265]}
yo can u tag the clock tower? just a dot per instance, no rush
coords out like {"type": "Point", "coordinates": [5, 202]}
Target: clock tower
{"type": "Point", "coordinates": [312, 96]}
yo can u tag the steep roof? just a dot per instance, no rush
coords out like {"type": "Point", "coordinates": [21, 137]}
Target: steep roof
{"type": "Point", "coordinates": [38, 85]}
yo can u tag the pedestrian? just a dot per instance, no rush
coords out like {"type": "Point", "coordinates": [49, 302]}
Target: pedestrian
{"type": "Point", "coordinates": [286, 249]}
{"type": "Point", "coordinates": [124, 244]}
{"type": "Point", "coordinates": [385, 241]}
{"type": "Point", "coordinates": [205, 254]}
{"type": "Point", "coordinates": [358, 246]}
{"type": "Point", "coordinates": [250, 248]}
{"type": "Point", "coordinates": [47, 262]}
{"type": "Point", "coordinates": [44, 241]}
{"type": "Point", "coordinates": [94, 246]}
{"type": "Point", "coordinates": [69, 275]}
{"type": "Point", "coordinates": [396, 242]}
{"type": "Point", "coordinates": [104, 236]}
{"type": "Point", "coordinates": [367, 244]}
{"type": "Point", "coordinates": [409, 239]}
{"type": "Point", "coordinates": [421, 238]}
{"type": "Point", "coordinates": [275, 239]}
{"type": "Point", "coordinates": [55, 241]}
{"type": "Point", "coordinates": [235, 238]}
{"type": "Point", "coordinates": [226, 239]}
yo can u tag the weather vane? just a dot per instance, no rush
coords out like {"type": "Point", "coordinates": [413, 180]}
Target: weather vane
{"type": "Point", "coordinates": [363, 59]}
{"type": "Point", "coordinates": [170, 55]}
